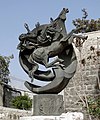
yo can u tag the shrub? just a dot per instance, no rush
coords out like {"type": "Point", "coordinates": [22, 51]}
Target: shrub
{"type": "Point", "coordinates": [22, 102]}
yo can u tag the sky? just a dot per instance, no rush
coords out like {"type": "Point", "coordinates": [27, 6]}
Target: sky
{"type": "Point", "coordinates": [14, 13]}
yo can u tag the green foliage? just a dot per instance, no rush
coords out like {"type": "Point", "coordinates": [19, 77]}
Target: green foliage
{"type": "Point", "coordinates": [91, 25]}
{"type": "Point", "coordinates": [4, 71]}
{"type": "Point", "coordinates": [94, 106]}
{"type": "Point", "coordinates": [22, 102]}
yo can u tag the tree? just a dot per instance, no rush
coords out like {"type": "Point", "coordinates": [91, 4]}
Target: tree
{"type": "Point", "coordinates": [91, 25]}
{"type": "Point", "coordinates": [22, 102]}
{"type": "Point", "coordinates": [4, 71]}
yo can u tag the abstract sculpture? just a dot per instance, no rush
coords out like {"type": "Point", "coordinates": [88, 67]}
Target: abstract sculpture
{"type": "Point", "coordinates": [45, 42]}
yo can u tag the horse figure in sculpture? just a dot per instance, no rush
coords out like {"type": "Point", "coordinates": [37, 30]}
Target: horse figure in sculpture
{"type": "Point", "coordinates": [43, 35]}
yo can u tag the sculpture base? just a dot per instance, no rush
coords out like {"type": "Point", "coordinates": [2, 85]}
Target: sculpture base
{"type": "Point", "coordinates": [47, 105]}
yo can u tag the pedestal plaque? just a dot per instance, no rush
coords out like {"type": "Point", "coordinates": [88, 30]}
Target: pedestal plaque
{"type": "Point", "coordinates": [47, 104]}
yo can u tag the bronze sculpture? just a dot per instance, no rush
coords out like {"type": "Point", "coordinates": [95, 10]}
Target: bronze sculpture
{"type": "Point", "coordinates": [44, 42]}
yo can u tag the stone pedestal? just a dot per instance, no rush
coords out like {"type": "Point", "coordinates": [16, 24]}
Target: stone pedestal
{"type": "Point", "coordinates": [47, 105]}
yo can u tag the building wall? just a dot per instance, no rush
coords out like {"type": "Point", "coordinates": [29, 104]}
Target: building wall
{"type": "Point", "coordinates": [1, 95]}
{"type": "Point", "coordinates": [9, 95]}
{"type": "Point", "coordinates": [85, 80]}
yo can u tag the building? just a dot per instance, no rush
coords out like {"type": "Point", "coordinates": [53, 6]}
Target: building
{"type": "Point", "coordinates": [86, 81]}
{"type": "Point", "coordinates": [7, 93]}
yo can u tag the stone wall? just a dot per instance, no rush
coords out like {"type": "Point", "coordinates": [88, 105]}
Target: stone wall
{"type": "Point", "coordinates": [12, 114]}
{"type": "Point", "coordinates": [85, 81]}
{"type": "Point", "coordinates": [1, 95]}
